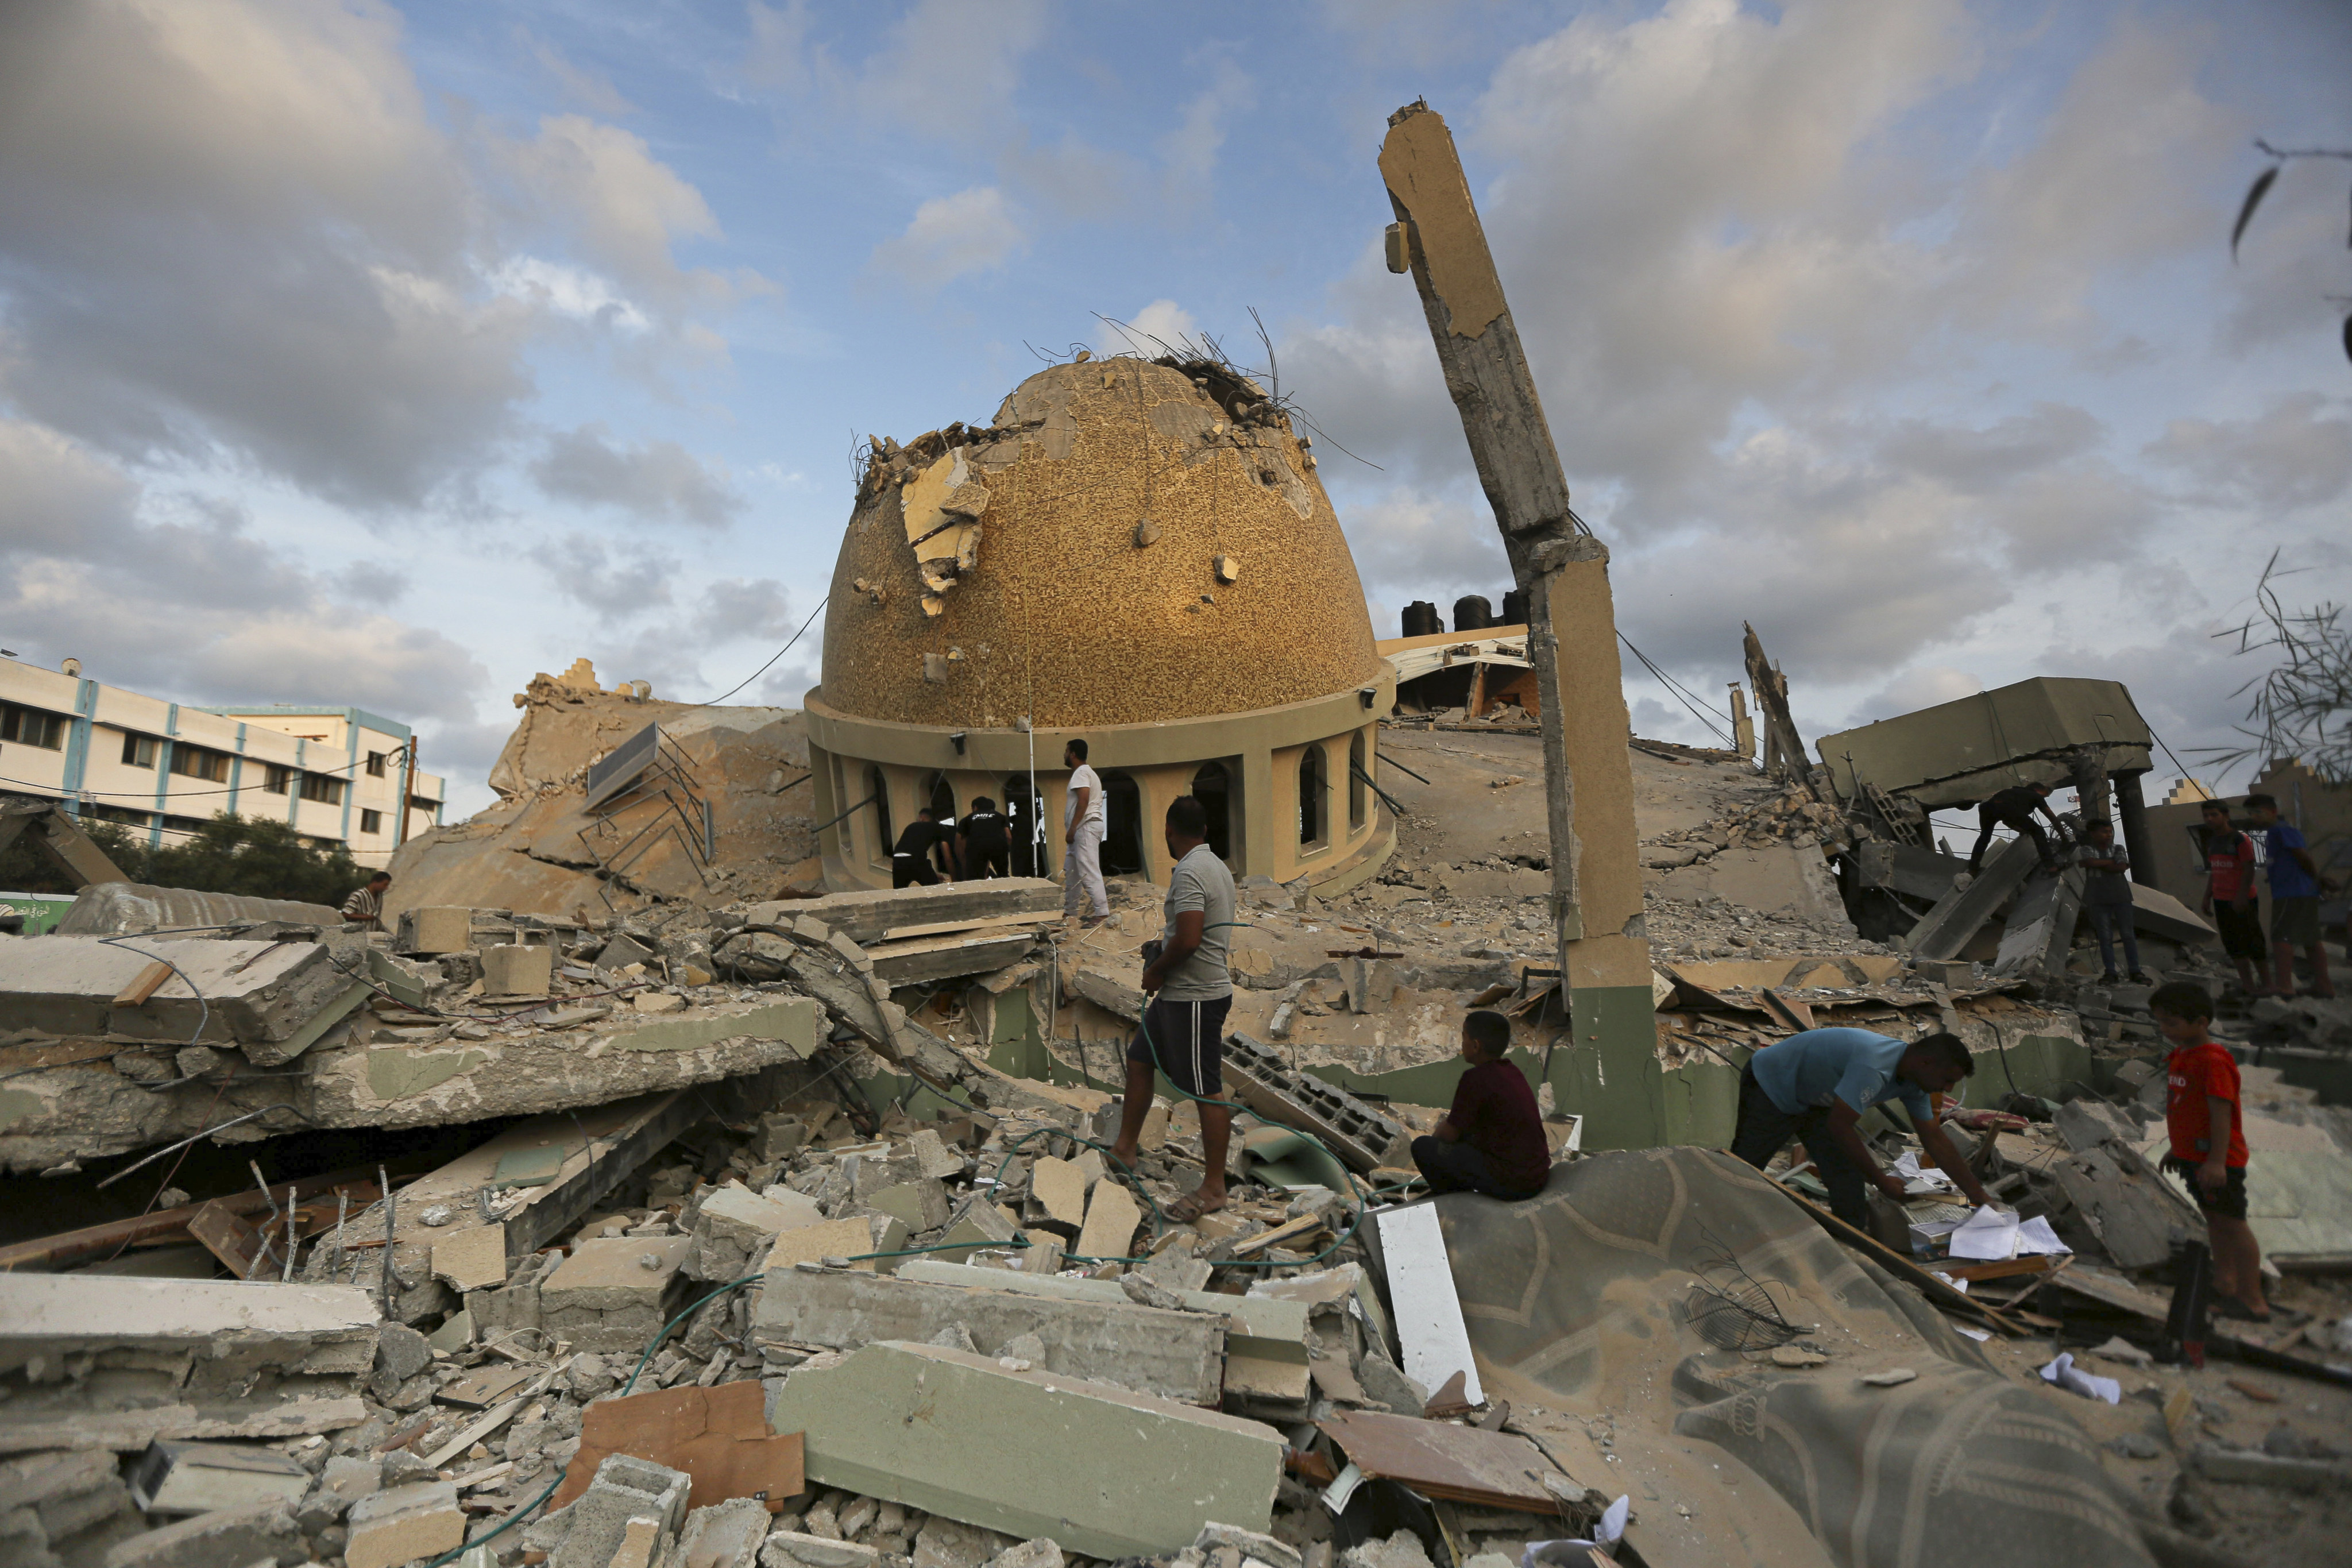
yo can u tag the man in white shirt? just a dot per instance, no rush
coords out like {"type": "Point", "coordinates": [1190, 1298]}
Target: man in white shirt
{"type": "Point", "coordinates": [1082, 835]}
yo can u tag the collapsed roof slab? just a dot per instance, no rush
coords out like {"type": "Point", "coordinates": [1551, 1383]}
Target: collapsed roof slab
{"type": "Point", "coordinates": [1957, 753]}
{"type": "Point", "coordinates": [251, 994]}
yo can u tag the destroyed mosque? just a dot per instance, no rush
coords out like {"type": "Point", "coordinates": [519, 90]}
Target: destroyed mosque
{"type": "Point", "coordinates": [657, 1187]}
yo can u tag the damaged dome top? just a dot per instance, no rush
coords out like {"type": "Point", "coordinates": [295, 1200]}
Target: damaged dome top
{"type": "Point", "coordinates": [1130, 540]}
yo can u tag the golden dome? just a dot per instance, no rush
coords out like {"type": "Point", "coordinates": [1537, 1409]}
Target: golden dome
{"type": "Point", "coordinates": [1132, 541]}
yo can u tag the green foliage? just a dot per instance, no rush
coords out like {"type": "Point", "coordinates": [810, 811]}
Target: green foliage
{"type": "Point", "coordinates": [227, 854]}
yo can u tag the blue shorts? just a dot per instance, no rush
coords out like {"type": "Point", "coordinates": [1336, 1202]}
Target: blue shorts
{"type": "Point", "coordinates": [1190, 1037]}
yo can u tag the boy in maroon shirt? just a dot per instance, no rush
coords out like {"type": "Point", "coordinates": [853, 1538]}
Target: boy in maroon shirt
{"type": "Point", "coordinates": [2208, 1142]}
{"type": "Point", "coordinates": [2230, 898]}
{"type": "Point", "coordinates": [1492, 1142]}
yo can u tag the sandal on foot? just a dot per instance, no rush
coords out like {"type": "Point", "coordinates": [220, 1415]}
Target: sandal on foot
{"type": "Point", "coordinates": [2231, 1307]}
{"type": "Point", "coordinates": [1190, 1207]}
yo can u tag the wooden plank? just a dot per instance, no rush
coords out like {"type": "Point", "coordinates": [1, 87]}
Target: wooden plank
{"type": "Point", "coordinates": [1460, 1464]}
{"type": "Point", "coordinates": [944, 928]}
{"type": "Point", "coordinates": [2001, 1268]}
{"type": "Point", "coordinates": [1304, 1226]}
{"type": "Point", "coordinates": [1939, 1290]}
{"type": "Point", "coordinates": [150, 980]}
{"type": "Point", "coordinates": [103, 1240]}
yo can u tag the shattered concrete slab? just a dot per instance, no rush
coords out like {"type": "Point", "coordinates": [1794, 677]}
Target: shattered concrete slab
{"type": "Point", "coordinates": [614, 1295]}
{"type": "Point", "coordinates": [1175, 1355]}
{"type": "Point", "coordinates": [248, 993]}
{"type": "Point", "coordinates": [1091, 1472]}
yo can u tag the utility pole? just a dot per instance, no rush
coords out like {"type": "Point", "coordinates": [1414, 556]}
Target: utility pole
{"type": "Point", "coordinates": [407, 790]}
{"type": "Point", "coordinates": [1602, 947]}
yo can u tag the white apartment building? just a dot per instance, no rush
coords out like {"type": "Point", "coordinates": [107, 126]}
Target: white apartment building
{"type": "Point", "coordinates": [336, 774]}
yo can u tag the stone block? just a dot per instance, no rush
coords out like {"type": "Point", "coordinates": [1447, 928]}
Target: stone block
{"type": "Point", "coordinates": [401, 1352]}
{"type": "Point", "coordinates": [1267, 1549]}
{"type": "Point", "coordinates": [724, 1535]}
{"type": "Point", "coordinates": [933, 1157]}
{"type": "Point", "coordinates": [65, 1493]}
{"type": "Point", "coordinates": [624, 949]}
{"type": "Point", "coordinates": [1041, 1552]}
{"type": "Point", "coordinates": [403, 1524]}
{"type": "Point", "coordinates": [351, 1477]}
{"type": "Point", "coordinates": [229, 1538]}
{"type": "Point", "coordinates": [175, 1479]}
{"type": "Point", "coordinates": [517, 971]}
{"type": "Point", "coordinates": [1091, 1469]}
{"type": "Point", "coordinates": [606, 1296]}
{"type": "Point", "coordinates": [254, 995]}
{"type": "Point", "coordinates": [474, 1258]}
{"type": "Point", "coordinates": [779, 1137]}
{"type": "Point", "coordinates": [1173, 1354]}
{"type": "Point", "coordinates": [791, 1549]}
{"type": "Point", "coordinates": [920, 1205]}
{"type": "Point", "coordinates": [979, 1223]}
{"type": "Point", "coordinates": [945, 1543]}
{"type": "Point", "coordinates": [840, 1238]}
{"type": "Point", "coordinates": [1060, 1189]}
{"type": "Point", "coordinates": [434, 929]}
{"type": "Point", "coordinates": [734, 1225]}
{"type": "Point", "coordinates": [1111, 1219]}
{"type": "Point", "coordinates": [1259, 1328]}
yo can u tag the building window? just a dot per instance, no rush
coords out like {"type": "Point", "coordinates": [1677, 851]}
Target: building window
{"type": "Point", "coordinates": [137, 750]}
{"type": "Point", "coordinates": [324, 790]}
{"type": "Point", "coordinates": [375, 765]}
{"type": "Point", "coordinates": [1122, 845]}
{"type": "Point", "coordinates": [278, 777]}
{"type": "Point", "coordinates": [190, 824]}
{"type": "Point", "coordinates": [197, 763]}
{"type": "Point", "coordinates": [884, 839]}
{"type": "Point", "coordinates": [1029, 857]}
{"type": "Point", "coordinates": [1213, 787]}
{"type": "Point", "coordinates": [1313, 829]}
{"type": "Point", "coordinates": [422, 802]}
{"type": "Point", "coordinates": [31, 727]}
{"type": "Point", "coordinates": [1356, 771]}
{"type": "Point", "coordinates": [371, 821]}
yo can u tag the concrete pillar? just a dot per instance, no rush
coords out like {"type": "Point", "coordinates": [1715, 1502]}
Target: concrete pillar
{"type": "Point", "coordinates": [2131, 808]}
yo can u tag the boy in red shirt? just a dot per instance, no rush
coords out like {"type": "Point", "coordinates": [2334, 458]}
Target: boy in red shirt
{"type": "Point", "coordinates": [2230, 898]}
{"type": "Point", "coordinates": [2208, 1142]}
{"type": "Point", "coordinates": [1492, 1142]}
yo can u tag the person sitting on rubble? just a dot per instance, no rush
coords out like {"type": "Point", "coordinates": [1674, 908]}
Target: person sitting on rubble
{"type": "Point", "coordinates": [985, 841]}
{"type": "Point", "coordinates": [1187, 973]}
{"type": "Point", "coordinates": [2207, 1131]}
{"type": "Point", "coordinates": [2107, 898]}
{"type": "Point", "coordinates": [911, 858]}
{"type": "Point", "coordinates": [363, 910]}
{"type": "Point", "coordinates": [2014, 808]}
{"type": "Point", "coordinates": [1816, 1085]}
{"type": "Point", "coordinates": [2230, 898]}
{"type": "Point", "coordinates": [1492, 1141]}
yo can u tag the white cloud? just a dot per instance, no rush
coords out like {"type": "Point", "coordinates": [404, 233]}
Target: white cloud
{"type": "Point", "coordinates": [1921, 686]}
{"type": "Point", "coordinates": [619, 585]}
{"type": "Point", "coordinates": [658, 480]}
{"type": "Point", "coordinates": [974, 230]}
{"type": "Point", "coordinates": [1155, 329]}
{"type": "Point", "coordinates": [2296, 453]}
{"type": "Point", "coordinates": [626, 206]}
{"type": "Point", "coordinates": [1190, 151]}
{"type": "Point", "coordinates": [572, 292]}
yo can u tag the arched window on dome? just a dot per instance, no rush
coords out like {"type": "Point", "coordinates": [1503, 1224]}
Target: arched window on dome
{"type": "Point", "coordinates": [1213, 787]}
{"type": "Point", "coordinates": [1314, 806]}
{"type": "Point", "coordinates": [879, 788]}
{"type": "Point", "coordinates": [1356, 774]}
{"type": "Point", "coordinates": [1122, 845]}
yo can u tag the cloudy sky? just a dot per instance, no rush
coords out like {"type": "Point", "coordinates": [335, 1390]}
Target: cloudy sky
{"type": "Point", "coordinates": [385, 354]}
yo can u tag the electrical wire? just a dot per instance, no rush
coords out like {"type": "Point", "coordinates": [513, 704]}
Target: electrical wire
{"type": "Point", "coordinates": [1677, 692]}
{"type": "Point", "coordinates": [780, 653]}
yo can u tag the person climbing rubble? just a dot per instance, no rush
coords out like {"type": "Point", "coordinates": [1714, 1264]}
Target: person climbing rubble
{"type": "Point", "coordinates": [2013, 808]}
{"type": "Point", "coordinates": [2108, 898]}
{"type": "Point", "coordinates": [1816, 1085]}
{"type": "Point", "coordinates": [922, 852]}
{"type": "Point", "coordinates": [1492, 1141]}
{"type": "Point", "coordinates": [1191, 990]}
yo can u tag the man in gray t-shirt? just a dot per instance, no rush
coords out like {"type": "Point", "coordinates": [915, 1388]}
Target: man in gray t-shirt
{"type": "Point", "coordinates": [2107, 897]}
{"type": "Point", "coordinates": [1183, 1029]}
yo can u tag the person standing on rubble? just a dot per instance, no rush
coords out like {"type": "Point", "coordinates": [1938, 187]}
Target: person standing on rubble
{"type": "Point", "coordinates": [2206, 1126]}
{"type": "Point", "coordinates": [984, 846]}
{"type": "Point", "coordinates": [2014, 808]}
{"type": "Point", "coordinates": [2295, 884]}
{"type": "Point", "coordinates": [911, 857]}
{"type": "Point", "coordinates": [2230, 898]}
{"type": "Point", "coordinates": [1816, 1085]}
{"type": "Point", "coordinates": [363, 910]}
{"type": "Point", "coordinates": [1082, 836]}
{"type": "Point", "coordinates": [1191, 987]}
{"type": "Point", "coordinates": [2107, 898]}
{"type": "Point", "coordinates": [1492, 1142]}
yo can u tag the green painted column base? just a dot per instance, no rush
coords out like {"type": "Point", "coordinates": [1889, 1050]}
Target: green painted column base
{"type": "Point", "coordinates": [1607, 1071]}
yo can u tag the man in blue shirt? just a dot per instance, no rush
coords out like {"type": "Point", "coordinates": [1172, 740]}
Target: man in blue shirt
{"type": "Point", "coordinates": [2296, 883]}
{"type": "Point", "coordinates": [1815, 1086]}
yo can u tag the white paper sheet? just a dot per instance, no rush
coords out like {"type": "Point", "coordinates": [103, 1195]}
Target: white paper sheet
{"type": "Point", "coordinates": [2036, 1236]}
{"type": "Point", "coordinates": [1989, 1236]}
{"type": "Point", "coordinates": [1920, 1180]}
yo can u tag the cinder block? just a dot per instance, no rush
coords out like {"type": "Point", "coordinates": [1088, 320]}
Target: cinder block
{"type": "Point", "coordinates": [518, 971]}
{"type": "Point", "coordinates": [921, 1203]}
{"type": "Point", "coordinates": [734, 1225]}
{"type": "Point", "coordinates": [625, 1489]}
{"type": "Point", "coordinates": [605, 1298]}
{"type": "Point", "coordinates": [1091, 1469]}
{"type": "Point", "coordinates": [724, 1535]}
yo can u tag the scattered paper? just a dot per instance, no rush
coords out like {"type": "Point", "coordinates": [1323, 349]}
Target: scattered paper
{"type": "Point", "coordinates": [1919, 1180]}
{"type": "Point", "coordinates": [2036, 1236]}
{"type": "Point", "coordinates": [1988, 1235]}
{"type": "Point", "coordinates": [1979, 1335]}
{"type": "Point", "coordinates": [2068, 1376]}
{"type": "Point", "coordinates": [1342, 1487]}
{"type": "Point", "coordinates": [1959, 1285]}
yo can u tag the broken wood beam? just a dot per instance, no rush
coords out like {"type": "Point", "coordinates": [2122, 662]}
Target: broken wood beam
{"type": "Point", "coordinates": [1937, 1290]}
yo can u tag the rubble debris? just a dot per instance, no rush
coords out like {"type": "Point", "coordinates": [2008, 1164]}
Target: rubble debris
{"type": "Point", "coordinates": [261, 1532]}
{"type": "Point", "coordinates": [615, 1294]}
{"type": "Point", "coordinates": [624, 1493]}
{"type": "Point", "coordinates": [399, 1525]}
{"type": "Point", "coordinates": [1090, 1473]}
{"type": "Point", "coordinates": [717, 1437]}
{"type": "Point", "coordinates": [1429, 1323]}
{"type": "Point", "coordinates": [1436, 1458]}
{"type": "Point", "coordinates": [1176, 1355]}
{"type": "Point", "coordinates": [197, 1478]}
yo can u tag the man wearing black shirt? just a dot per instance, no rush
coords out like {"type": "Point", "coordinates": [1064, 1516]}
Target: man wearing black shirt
{"type": "Point", "coordinates": [2014, 808]}
{"type": "Point", "coordinates": [987, 841]}
{"type": "Point", "coordinates": [911, 861]}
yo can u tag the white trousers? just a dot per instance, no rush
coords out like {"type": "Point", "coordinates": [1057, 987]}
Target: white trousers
{"type": "Point", "coordinates": [1082, 880]}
